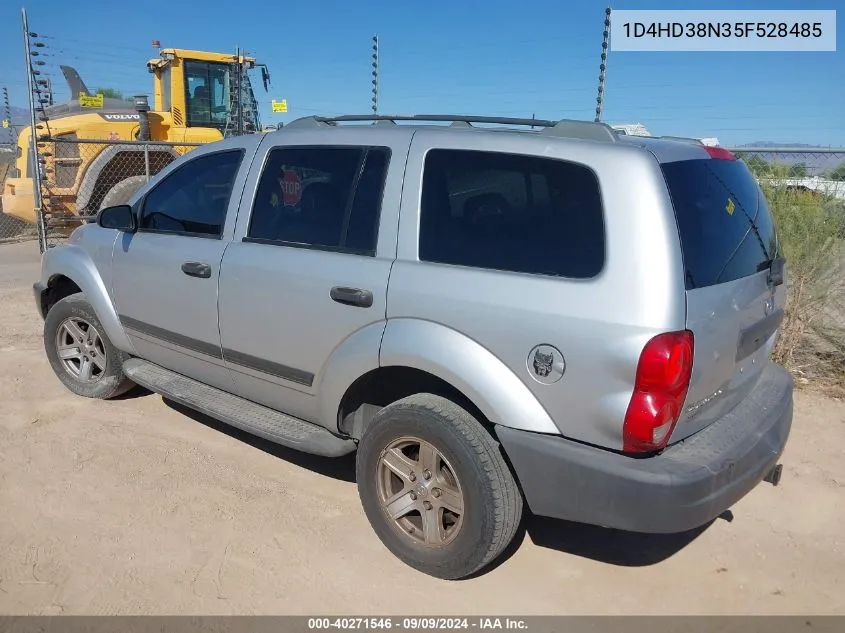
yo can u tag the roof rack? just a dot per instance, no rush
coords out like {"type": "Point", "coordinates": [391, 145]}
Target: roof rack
{"type": "Point", "coordinates": [568, 128]}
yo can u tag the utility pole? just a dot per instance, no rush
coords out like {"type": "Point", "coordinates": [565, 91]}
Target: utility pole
{"type": "Point", "coordinates": [603, 65]}
{"type": "Point", "coordinates": [375, 74]}
{"type": "Point", "coordinates": [239, 102]}
{"type": "Point", "coordinates": [33, 143]}
{"type": "Point", "coordinates": [7, 116]}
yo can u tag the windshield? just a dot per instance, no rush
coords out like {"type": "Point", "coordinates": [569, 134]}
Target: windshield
{"type": "Point", "coordinates": [207, 87]}
{"type": "Point", "coordinates": [212, 89]}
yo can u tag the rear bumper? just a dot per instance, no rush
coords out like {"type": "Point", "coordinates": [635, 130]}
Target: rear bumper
{"type": "Point", "coordinates": [680, 489]}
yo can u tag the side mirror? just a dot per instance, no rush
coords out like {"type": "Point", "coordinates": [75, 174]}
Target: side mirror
{"type": "Point", "coordinates": [120, 217]}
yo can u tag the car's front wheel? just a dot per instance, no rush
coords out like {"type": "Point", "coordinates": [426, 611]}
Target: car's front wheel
{"type": "Point", "coordinates": [79, 351]}
{"type": "Point", "coordinates": [435, 487]}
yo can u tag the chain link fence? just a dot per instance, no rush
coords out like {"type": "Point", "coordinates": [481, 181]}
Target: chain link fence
{"type": "Point", "coordinates": [80, 177]}
{"type": "Point", "coordinates": [11, 229]}
{"type": "Point", "coordinates": [819, 170]}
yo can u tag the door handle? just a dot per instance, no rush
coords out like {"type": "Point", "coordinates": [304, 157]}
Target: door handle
{"type": "Point", "coordinates": [197, 269]}
{"type": "Point", "coordinates": [352, 296]}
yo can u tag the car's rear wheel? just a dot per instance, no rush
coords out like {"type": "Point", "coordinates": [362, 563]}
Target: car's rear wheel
{"type": "Point", "coordinates": [79, 351]}
{"type": "Point", "coordinates": [436, 488]}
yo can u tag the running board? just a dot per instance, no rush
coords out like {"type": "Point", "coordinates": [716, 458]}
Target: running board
{"type": "Point", "coordinates": [238, 412]}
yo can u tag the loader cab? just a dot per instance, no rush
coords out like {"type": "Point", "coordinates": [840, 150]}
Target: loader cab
{"type": "Point", "coordinates": [198, 91]}
{"type": "Point", "coordinates": [208, 93]}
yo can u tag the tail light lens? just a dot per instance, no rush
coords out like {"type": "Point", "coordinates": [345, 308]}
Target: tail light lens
{"type": "Point", "coordinates": [660, 388]}
{"type": "Point", "coordinates": [719, 153]}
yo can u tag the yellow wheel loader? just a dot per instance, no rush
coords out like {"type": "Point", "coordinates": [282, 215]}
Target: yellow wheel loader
{"type": "Point", "coordinates": [195, 101]}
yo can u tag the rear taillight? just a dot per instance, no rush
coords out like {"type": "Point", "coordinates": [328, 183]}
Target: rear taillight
{"type": "Point", "coordinates": [719, 152]}
{"type": "Point", "coordinates": [660, 387]}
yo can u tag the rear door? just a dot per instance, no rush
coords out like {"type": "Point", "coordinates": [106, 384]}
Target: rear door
{"type": "Point", "coordinates": [312, 267]}
{"type": "Point", "coordinates": [728, 241]}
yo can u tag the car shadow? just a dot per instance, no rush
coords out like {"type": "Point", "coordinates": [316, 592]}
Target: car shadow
{"type": "Point", "coordinates": [340, 468]}
{"type": "Point", "coordinates": [137, 391]}
{"type": "Point", "coordinates": [614, 547]}
{"type": "Point", "coordinates": [604, 545]}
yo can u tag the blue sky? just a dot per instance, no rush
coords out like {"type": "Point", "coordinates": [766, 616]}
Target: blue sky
{"type": "Point", "coordinates": [491, 57]}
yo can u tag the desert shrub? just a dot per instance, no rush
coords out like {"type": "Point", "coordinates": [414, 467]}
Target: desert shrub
{"type": "Point", "coordinates": [810, 230]}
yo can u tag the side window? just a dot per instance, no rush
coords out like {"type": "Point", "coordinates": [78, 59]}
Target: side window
{"type": "Point", "coordinates": [165, 89]}
{"type": "Point", "coordinates": [510, 212]}
{"type": "Point", "coordinates": [362, 227]}
{"type": "Point", "coordinates": [326, 198]}
{"type": "Point", "coordinates": [539, 189]}
{"type": "Point", "coordinates": [207, 86]}
{"type": "Point", "coordinates": [194, 198]}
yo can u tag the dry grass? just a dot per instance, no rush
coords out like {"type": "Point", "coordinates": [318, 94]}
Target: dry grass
{"type": "Point", "coordinates": [812, 337]}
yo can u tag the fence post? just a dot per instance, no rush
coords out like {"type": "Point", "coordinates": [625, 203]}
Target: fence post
{"type": "Point", "coordinates": [147, 161]}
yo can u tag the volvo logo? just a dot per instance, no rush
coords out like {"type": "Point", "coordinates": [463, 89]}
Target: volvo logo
{"type": "Point", "coordinates": [120, 117]}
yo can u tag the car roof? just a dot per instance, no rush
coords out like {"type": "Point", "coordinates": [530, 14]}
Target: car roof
{"type": "Point", "coordinates": [668, 150]}
{"type": "Point", "coordinates": [566, 130]}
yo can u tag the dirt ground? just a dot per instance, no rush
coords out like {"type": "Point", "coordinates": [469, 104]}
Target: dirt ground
{"type": "Point", "coordinates": [137, 507]}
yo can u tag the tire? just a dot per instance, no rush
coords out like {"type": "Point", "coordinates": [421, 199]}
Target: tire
{"type": "Point", "coordinates": [469, 462]}
{"type": "Point", "coordinates": [70, 321]}
{"type": "Point", "coordinates": [122, 192]}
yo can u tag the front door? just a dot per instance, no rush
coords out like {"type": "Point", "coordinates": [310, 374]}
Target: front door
{"type": "Point", "coordinates": [309, 273]}
{"type": "Point", "coordinates": [166, 274]}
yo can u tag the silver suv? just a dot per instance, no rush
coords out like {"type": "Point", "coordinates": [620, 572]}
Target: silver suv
{"type": "Point", "coordinates": [530, 312]}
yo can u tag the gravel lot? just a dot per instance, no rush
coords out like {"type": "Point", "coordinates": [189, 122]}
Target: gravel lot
{"type": "Point", "coordinates": [138, 507]}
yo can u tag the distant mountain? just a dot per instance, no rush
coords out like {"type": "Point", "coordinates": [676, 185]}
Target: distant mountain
{"type": "Point", "coordinates": [773, 144]}
{"type": "Point", "coordinates": [20, 117]}
{"type": "Point", "coordinates": [20, 114]}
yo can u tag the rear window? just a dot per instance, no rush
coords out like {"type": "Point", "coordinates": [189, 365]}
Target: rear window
{"type": "Point", "coordinates": [510, 212]}
{"type": "Point", "coordinates": [725, 226]}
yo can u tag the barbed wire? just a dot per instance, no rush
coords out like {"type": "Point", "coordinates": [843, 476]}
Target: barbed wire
{"type": "Point", "coordinates": [503, 84]}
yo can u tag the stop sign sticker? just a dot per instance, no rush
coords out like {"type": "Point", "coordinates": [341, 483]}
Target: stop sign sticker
{"type": "Point", "coordinates": [291, 188]}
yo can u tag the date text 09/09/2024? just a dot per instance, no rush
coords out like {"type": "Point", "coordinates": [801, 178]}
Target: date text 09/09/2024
{"type": "Point", "coordinates": [418, 623]}
{"type": "Point", "coordinates": [723, 29]}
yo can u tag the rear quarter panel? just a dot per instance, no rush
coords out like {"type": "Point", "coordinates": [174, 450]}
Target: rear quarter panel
{"type": "Point", "coordinates": [599, 325]}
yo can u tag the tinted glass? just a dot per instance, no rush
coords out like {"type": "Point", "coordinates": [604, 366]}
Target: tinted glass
{"type": "Point", "coordinates": [195, 197]}
{"type": "Point", "coordinates": [725, 226]}
{"type": "Point", "coordinates": [309, 197]}
{"type": "Point", "coordinates": [165, 89]}
{"type": "Point", "coordinates": [362, 229]}
{"type": "Point", "coordinates": [207, 86]}
{"type": "Point", "coordinates": [509, 212]}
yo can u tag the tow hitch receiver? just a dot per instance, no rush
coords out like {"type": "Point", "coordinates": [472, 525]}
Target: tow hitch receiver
{"type": "Point", "coordinates": [773, 476]}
